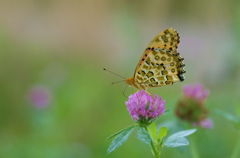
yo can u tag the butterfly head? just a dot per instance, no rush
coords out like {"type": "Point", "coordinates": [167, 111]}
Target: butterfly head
{"type": "Point", "coordinates": [131, 82]}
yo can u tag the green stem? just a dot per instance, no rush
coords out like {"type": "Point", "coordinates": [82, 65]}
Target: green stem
{"type": "Point", "coordinates": [156, 147]}
{"type": "Point", "coordinates": [193, 148]}
{"type": "Point", "coordinates": [237, 146]}
{"type": "Point", "coordinates": [155, 151]}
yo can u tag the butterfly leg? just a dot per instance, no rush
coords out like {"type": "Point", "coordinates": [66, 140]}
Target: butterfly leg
{"type": "Point", "coordinates": [151, 90]}
{"type": "Point", "coordinates": [149, 93]}
{"type": "Point", "coordinates": [132, 90]}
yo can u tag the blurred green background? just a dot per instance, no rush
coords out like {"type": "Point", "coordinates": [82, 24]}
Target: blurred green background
{"type": "Point", "coordinates": [57, 102]}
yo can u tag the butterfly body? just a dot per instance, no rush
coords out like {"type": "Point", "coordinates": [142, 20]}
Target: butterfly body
{"type": "Point", "coordinates": [160, 64]}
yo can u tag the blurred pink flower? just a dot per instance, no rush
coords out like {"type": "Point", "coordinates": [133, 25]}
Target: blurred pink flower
{"type": "Point", "coordinates": [195, 91]}
{"type": "Point", "coordinates": [144, 108]}
{"type": "Point", "coordinates": [39, 96]}
{"type": "Point", "coordinates": [207, 123]}
{"type": "Point", "coordinates": [191, 106]}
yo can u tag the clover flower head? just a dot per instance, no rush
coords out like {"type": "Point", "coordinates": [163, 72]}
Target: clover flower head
{"type": "Point", "coordinates": [191, 106]}
{"type": "Point", "coordinates": [195, 91]}
{"type": "Point", "coordinates": [144, 108]}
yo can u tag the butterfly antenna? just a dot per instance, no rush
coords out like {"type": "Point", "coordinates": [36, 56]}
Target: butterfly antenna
{"type": "Point", "coordinates": [125, 91]}
{"type": "Point", "coordinates": [117, 82]}
{"type": "Point", "coordinates": [114, 74]}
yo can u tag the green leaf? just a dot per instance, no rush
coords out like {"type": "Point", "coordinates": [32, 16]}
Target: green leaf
{"type": "Point", "coordinates": [181, 141]}
{"type": "Point", "coordinates": [183, 133]}
{"type": "Point", "coordinates": [166, 111]}
{"type": "Point", "coordinates": [227, 116]}
{"type": "Point", "coordinates": [177, 139]}
{"type": "Point", "coordinates": [152, 130]}
{"type": "Point", "coordinates": [121, 137]}
{"type": "Point", "coordinates": [115, 134]}
{"type": "Point", "coordinates": [143, 135]}
{"type": "Point", "coordinates": [162, 132]}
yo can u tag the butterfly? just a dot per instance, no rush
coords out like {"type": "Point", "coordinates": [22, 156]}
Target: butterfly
{"type": "Point", "coordinates": [161, 64]}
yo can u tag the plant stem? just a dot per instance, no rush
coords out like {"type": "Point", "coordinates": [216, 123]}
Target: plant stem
{"type": "Point", "coordinates": [237, 147]}
{"type": "Point", "coordinates": [193, 148]}
{"type": "Point", "coordinates": [156, 147]}
{"type": "Point", "coordinates": [156, 154]}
